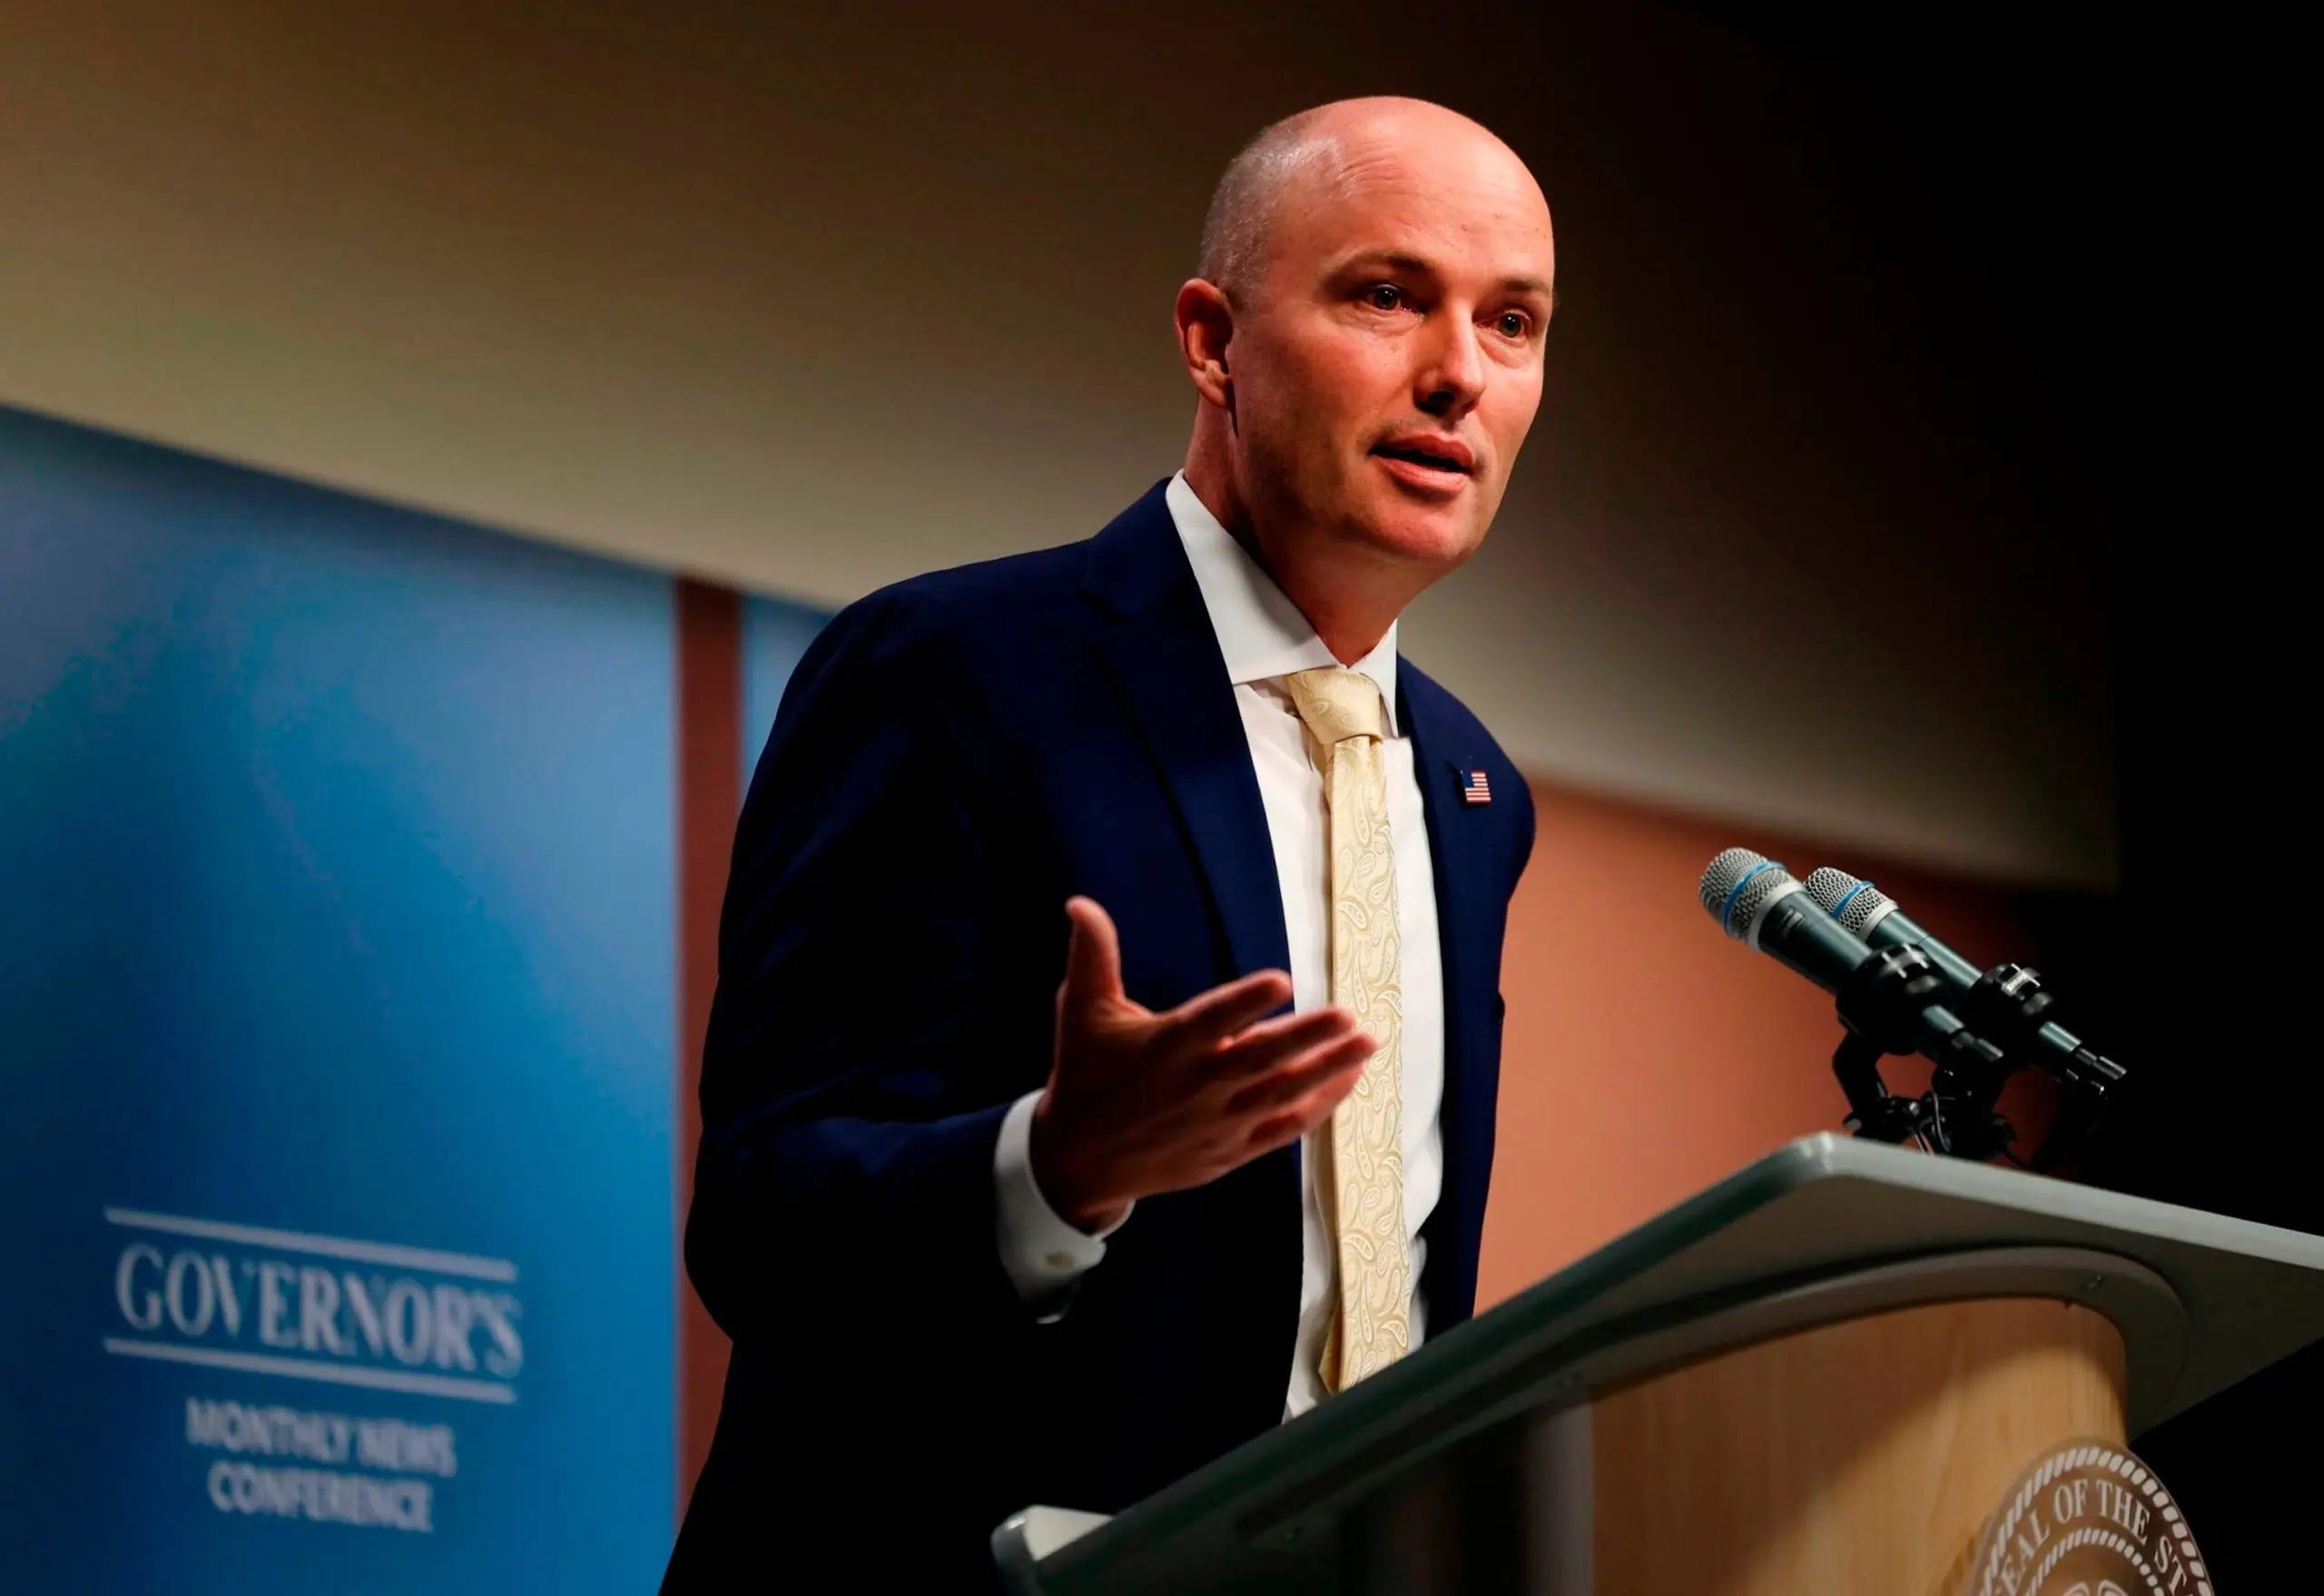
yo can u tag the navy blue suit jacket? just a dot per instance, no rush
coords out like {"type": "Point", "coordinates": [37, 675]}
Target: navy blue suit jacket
{"type": "Point", "coordinates": [954, 757]}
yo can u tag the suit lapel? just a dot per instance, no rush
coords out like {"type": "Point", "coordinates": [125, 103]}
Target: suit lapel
{"type": "Point", "coordinates": [1158, 645]}
{"type": "Point", "coordinates": [1461, 850]}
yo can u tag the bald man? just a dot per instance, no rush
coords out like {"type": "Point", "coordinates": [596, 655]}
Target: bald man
{"type": "Point", "coordinates": [1107, 1035]}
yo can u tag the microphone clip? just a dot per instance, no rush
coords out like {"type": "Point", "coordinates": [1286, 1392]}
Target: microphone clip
{"type": "Point", "coordinates": [1887, 1005]}
{"type": "Point", "coordinates": [2008, 1001]}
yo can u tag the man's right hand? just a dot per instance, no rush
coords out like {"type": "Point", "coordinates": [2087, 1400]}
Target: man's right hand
{"type": "Point", "coordinates": [1140, 1103]}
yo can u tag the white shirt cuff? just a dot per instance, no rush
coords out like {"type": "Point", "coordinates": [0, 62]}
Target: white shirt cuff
{"type": "Point", "coordinates": [1043, 1254]}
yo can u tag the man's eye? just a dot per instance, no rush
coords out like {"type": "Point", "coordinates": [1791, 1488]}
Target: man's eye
{"type": "Point", "coordinates": [1383, 296]}
{"type": "Point", "coordinates": [1513, 323]}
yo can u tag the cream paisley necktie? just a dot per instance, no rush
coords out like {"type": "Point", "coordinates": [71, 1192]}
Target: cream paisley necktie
{"type": "Point", "coordinates": [1360, 1175]}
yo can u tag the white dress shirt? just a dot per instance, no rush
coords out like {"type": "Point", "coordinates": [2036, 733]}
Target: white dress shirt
{"type": "Point", "coordinates": [1264, 638]}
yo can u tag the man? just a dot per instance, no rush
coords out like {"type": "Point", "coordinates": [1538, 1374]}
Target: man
{"type": "Point", "coordinates": [1018, 1185]}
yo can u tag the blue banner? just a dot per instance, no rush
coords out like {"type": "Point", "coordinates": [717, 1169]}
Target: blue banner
{"type": "Point", "coordinates": [337, 1032]}
{"type": "Point", "coordinates": [775, 635]}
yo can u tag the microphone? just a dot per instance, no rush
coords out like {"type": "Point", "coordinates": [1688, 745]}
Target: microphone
{"type": "Point", "coordinates": [1872, 917]}
{"type": "Point", "coordinates": [1865, 911]}
{"type": "Point", "coordinates": [1757, 901]}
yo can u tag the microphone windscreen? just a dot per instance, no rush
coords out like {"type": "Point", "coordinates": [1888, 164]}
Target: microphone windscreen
{"type": "Point", "coordinates": [1854, 902]}
{"type": "Point", "coordinates": [1737, 884]}
{"type": "Point", "coordinates": [1721, 874]}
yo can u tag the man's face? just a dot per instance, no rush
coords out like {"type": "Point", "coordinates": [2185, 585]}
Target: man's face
{"type": "Point", "coordinates": [1389, 363]}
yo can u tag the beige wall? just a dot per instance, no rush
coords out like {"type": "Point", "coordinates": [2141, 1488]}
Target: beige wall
{"type": "Point", "coordinates": [812, 298]}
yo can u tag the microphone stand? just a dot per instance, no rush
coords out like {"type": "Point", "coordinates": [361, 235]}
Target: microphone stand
{"type": "Point", "coordinates": [1885, 1004]}
{"type": "Point", "coordinates": [2009, 1002]}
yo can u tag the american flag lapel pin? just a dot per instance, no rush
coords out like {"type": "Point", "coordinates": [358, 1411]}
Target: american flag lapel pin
{"type": "Point", "coordinates": [1475, 788]}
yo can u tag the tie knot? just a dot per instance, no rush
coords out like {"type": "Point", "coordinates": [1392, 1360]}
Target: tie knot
{"type": "Point", "coordinates": [1338, 704]}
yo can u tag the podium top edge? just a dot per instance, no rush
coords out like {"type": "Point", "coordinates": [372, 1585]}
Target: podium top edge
{"type": "Point", "coordinates": [1826, 1155]}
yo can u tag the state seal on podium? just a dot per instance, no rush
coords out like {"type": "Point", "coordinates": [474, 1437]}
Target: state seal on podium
{"type": "Point", "coordinates": [2086, 1518]}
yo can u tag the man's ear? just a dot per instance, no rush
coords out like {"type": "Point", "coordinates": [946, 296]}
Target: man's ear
{"type": "Point", "coordinates": [1206, 324]}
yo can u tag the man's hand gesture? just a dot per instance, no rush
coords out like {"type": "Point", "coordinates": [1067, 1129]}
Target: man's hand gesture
{"type": "Point", "coordinates": [1140, 1103]}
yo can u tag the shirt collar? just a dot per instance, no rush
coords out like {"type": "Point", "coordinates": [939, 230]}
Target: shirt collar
{"type": "Point", "coordinates": [1261, 633]}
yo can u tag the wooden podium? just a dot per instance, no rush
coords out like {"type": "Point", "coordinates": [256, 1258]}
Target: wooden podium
{"type": "Point", "coordinates": [1820, 1376]}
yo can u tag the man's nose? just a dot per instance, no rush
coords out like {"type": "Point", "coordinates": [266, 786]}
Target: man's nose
{"type": "Point", "coordinates": [1453, 376]}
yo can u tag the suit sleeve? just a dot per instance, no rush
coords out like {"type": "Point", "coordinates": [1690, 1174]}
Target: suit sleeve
{"type": "Point", "coordinates": [854, 1079]}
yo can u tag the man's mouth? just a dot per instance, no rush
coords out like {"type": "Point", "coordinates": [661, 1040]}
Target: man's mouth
{"type": "Point", "coordinates": [1449, 456]}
